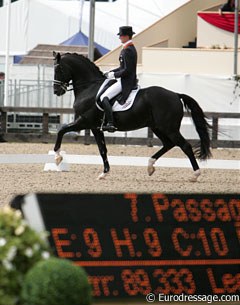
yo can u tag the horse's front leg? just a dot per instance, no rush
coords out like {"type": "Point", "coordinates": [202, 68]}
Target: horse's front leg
{"type": "Point", "coordinates": [77, 125]}
{"type": "Point", "coordinates": [99, 137]}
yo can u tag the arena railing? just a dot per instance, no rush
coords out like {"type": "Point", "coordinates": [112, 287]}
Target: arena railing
{"type": "Point", "coordinates": [45, 136]}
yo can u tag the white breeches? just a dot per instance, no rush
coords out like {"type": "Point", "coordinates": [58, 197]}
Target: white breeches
{"type": "Point", "coordinates": [112, 91]}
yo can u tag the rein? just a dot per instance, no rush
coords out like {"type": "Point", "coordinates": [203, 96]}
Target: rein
{"type": "Point", "coordinates": [65, 85]}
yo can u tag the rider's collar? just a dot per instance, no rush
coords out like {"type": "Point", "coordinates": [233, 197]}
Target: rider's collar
{"type": "Point", "coordinates": [126, 44]}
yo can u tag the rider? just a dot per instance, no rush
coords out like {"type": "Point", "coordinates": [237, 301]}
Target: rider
{"type": "Point", "coordinates": [125, 75]}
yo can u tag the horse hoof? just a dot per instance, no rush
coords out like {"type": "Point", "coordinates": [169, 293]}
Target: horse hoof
{"type": "Point", "coordinates": [102, 176]}
{"type": "Point", "coordinates": [58, 159]}
{"type": "Point", "coordinates": [195, 176]}
{"type": "Point", "coordinates": [151, 168]}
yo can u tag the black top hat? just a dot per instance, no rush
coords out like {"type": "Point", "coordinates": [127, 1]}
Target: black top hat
{"type": "Point", "coordinates": [125, 30]}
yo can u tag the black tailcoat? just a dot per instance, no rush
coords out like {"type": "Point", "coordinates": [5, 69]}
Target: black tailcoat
{"type": "Point", "coordinates": [127, 70]}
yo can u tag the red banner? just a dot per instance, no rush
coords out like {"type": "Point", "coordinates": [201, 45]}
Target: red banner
{"type": "Point", "coordinates": [224, 21]}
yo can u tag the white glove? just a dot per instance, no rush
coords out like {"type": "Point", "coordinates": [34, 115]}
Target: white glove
{"type": "Point", "coordinates": [110, 75]}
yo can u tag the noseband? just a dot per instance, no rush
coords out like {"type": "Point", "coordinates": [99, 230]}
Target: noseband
{"type": "Point", "coordinates": [62, 84]}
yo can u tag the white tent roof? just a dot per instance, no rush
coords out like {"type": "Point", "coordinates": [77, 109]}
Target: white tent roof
{"type": "Point", "coordinates": [53, 21]}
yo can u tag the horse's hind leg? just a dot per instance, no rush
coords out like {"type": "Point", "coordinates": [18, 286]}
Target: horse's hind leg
{"type": "Point", "coordinates": [99, 137]}
{"type": "Point", "coordinates": [186, 147]}
{"type": "Point", "coordinates": [167, 145]}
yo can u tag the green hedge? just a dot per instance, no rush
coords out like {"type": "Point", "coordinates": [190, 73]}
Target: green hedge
{"type": "Point", "coordinates": [56, 282]}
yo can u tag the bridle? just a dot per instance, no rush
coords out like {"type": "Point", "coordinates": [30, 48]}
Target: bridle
{"type": "Point", "coordinates": [77, 84]}
{"type": "Point", "coordinates": [62, 84]}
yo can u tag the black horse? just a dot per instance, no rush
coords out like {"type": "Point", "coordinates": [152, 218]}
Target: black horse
{"type": "Point", "coordinates": [154, 107]}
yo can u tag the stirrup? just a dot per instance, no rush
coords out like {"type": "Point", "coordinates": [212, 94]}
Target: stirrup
{"type": "Point", "coordinates": [109, 128]}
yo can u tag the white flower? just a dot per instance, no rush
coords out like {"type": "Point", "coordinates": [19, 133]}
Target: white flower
{"type": "Point", "coordinates": [45, 255]}
{"type": "Point", "coordinates": [29, 252]}
{"type": "Point", "coordinates": [11, 253]}
{"type": "Point", "coordinates": [2, 242]}
{"type": "Point", "coordinates": [19, 230]}
{"type": "Point", "coordinates": [7, 210]}
{"type": "Point", "coordinates": [36, 247]}
{"type": "Point", "coordinates": [18, 214]}
{"type": "Point", "coordinates": [8, 265]}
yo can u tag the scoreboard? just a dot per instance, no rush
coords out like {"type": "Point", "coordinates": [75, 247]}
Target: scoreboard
{"type": "Point", "coordinates": [135, 244]}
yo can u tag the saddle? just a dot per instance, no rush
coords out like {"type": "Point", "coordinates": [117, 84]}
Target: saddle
{"type": "Point", "coordinates": [116, 102]}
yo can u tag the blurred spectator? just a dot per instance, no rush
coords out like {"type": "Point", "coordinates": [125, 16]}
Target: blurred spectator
{"type": "Point", "coordinates": [227, 7]}
{"type": "Point", "coordinates": [2, 76]}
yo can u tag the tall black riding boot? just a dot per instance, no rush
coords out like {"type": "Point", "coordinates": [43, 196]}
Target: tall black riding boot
{"type": "Point", "coordinates": [108, 112]}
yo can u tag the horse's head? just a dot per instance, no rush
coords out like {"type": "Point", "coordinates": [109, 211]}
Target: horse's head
{"type": "Point", "coordinates": [62, 75]}
{"type": "Point", "coordinates": [75, 67]}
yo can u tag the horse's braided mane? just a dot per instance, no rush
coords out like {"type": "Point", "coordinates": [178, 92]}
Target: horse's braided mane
{"type": "Point", "coordinates": [91, 65]}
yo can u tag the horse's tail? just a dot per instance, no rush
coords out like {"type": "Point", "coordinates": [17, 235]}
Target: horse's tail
{"type": "Point", "coordinates": [203, 148]}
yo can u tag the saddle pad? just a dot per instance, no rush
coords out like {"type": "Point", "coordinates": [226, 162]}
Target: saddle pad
{"type": "Point", "coordinates": [127, 105]}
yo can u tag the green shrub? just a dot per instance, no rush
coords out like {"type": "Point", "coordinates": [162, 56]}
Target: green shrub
{"type": "Point", "coordinates": [56, 282]}
{"type": "Point", "coordinates": [20, 248]}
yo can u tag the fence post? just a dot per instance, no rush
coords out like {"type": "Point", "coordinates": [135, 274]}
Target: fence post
{"type": "Point", "coordinates": [150, 138]}
{"type": "Point", "coordinates": [3, 122]}
{"type": "Point", "coordinates": [214, 132]}
{"type": "Point", "coordinates": [87, 137]}
{"type": "Point", "coordinates": [45, 123]}
{"type": "Point", "coordinates": [1, 92]}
